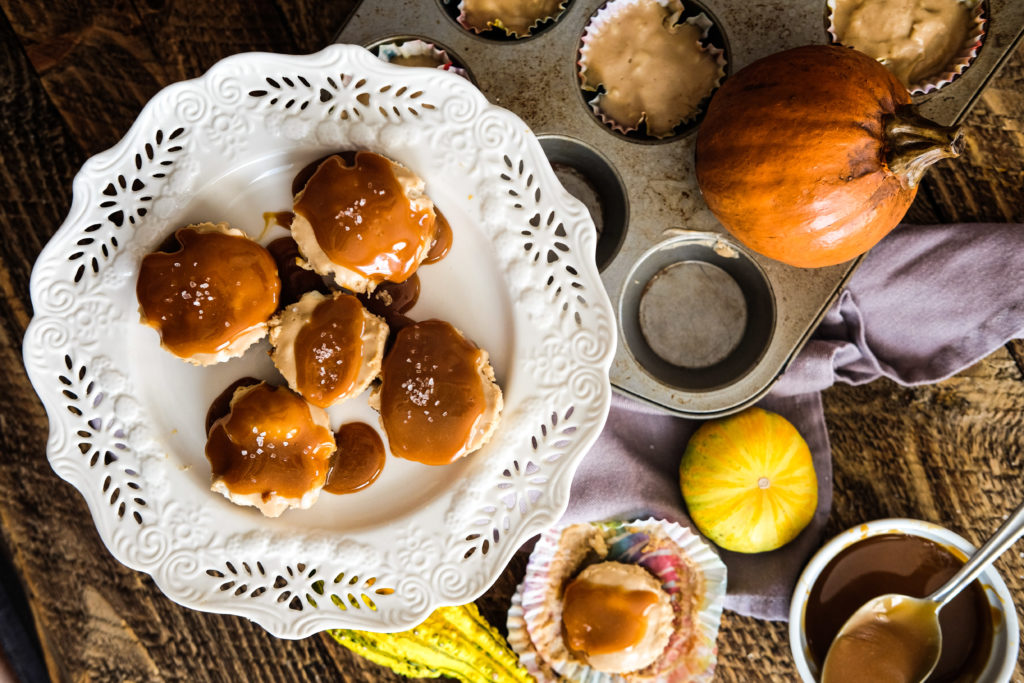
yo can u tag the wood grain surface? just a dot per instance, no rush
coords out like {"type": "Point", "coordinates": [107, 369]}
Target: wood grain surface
{"type": "Point", "coordinates": [76, 73]}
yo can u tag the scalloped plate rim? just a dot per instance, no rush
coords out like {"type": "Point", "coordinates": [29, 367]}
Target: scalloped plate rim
{"type": "Point", "coordinates": [113, 159]}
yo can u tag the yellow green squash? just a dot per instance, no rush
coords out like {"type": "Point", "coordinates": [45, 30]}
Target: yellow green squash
{"type": "Point", "coordinates": [453, 641]}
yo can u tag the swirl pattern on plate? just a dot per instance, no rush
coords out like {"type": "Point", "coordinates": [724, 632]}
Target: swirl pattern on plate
{"type": "Point", "coordinates": [151, 510]}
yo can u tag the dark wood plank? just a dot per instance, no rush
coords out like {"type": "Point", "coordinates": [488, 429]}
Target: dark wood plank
{"type": "Point", "coordinates": [96, 619]}
{"type": "Point", "coordinates": [984, 184]}
{"type": "Point", "coordinates": [313, 25]}
{"type": "Point", "coordinates": [93, 61]}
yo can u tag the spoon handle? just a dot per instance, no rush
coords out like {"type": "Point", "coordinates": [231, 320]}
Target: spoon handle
{"type": "Point", "coordinates": [1008, 534]}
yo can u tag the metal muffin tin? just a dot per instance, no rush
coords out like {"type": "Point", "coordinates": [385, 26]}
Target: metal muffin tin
{"type": "Point", "coordinates": [645, 199]}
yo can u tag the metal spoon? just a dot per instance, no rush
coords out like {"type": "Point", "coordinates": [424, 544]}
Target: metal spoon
{"type": "Point", "coordinates": [896, 635]}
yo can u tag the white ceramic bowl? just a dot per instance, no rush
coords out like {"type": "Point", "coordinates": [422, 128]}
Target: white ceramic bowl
{"type": "Point", "coordinates": [1006, 633]}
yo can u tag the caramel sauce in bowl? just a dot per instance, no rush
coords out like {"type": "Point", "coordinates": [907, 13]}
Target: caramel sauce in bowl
{"type": "Point", "coordinates": [980, 629]}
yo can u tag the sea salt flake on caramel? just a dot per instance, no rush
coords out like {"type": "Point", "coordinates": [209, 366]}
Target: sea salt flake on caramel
{"type": "Point", "coordinates": [437, 399]}
{"type": "Point", "coordinates": [328, 349]}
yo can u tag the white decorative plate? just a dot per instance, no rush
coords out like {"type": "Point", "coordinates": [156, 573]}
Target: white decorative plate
{"type": "Point", "coordinates": [126, 418]}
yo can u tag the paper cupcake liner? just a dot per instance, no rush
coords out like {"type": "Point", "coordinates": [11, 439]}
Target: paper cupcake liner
{"type": "Point", "coordinates": [519, 640]}
{"type": "Point", "coordinates": [607, 13]}
{"type": "Point", "coordinates": [675, 555]}
{"type": "Point", "coordinates": [960, 62]}
{"type": "Point", "coordinates": [407, 49]}
{"type": "Point", "coordinates": [497, 24]}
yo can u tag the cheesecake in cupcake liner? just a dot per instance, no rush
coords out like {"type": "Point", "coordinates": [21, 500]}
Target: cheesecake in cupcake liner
{"type": "Point", "coordinates": [419, 53]}
{"type": "Point", "coordinates": [924, 48]}
{"type": "Point", "coordinates": [690, 573]}
{"type": "Point", "coordinates": [649, 66]}
{"type": "Point", "coordinates": [516, 18]}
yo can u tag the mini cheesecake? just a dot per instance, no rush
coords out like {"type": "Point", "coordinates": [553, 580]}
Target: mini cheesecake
{"type": "Point", "coordinates": [364, 223]}
{"type": "Point", "coordinates": [516, 18]}
{"type": "Point", "coordinates": [328, 348]}
{"type": "Point", "coordinates": [437, 399]}
{"type": "Point", "coordinates": [616, 617]}
{"type": "Point", "coordinates": [210, 298]}
{"type": "Point", "coordinates": [647, 67]}
{"type": "Point", "coordinates": [271, 451]}
{"type": "Point", "coordinates": [915, 39]}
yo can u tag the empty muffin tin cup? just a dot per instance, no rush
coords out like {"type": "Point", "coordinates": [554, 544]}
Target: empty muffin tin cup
{"type": "Point", "coordinates": [697, 312]}
{"type": "Point", "coordinates": [587, 175]}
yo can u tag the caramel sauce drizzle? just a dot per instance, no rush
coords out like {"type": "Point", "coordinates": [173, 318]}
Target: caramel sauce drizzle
{"type": "Point", "coordinates": [362, 219]}
{"type": "Point", "coordinates": [295, 280]}
{"type": "Point", "coordinates": [431, 393]}
{"type": "Point", "coordinates": [205, 294]}
{"type": "Point", "coordinates": [221, 405]}
{"type": "Point", "coordinates": [282, 218]}
{"type": "Point", "coordinates": [391, 300]}
{"type": "Point", "coordinates": [307, 171]}
{"type": "Point", "coordinates": [329, 350]}
{"type": "Point", "coordinates": [443, 238]}
{"type": "Point", "coordinates": [398, 296]}
{"type": "Point", "coordinates": [359, 459]}
{"type": "Point", "coordinates": [601, 619]}
{"type": "Point", "coordinates": [269, 444]}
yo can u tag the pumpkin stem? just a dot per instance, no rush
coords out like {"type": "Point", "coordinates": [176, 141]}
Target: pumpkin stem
{"type": "Point", "coordinates": [913, 143]}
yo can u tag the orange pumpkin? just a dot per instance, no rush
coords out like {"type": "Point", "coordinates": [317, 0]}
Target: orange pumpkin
{"type": "Point", "coordinates": [812, 155]}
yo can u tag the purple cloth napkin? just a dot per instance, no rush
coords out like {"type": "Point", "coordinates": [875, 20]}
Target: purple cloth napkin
{"type": "Point", "coordinates": [925, 303]}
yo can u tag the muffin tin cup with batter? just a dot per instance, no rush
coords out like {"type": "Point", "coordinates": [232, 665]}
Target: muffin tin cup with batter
{"type": "Point", "coordinates": [972, 42]}
{"type": "Point", "coordinates": [705, 327]}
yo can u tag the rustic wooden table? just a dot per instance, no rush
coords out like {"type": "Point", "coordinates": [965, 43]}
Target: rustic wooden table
{"type": "Point", "coordinates": [75, 75]}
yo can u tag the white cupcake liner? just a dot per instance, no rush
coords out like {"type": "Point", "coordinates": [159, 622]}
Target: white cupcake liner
{"type": "Point", "coordinates": [519, 640]}
{"type": "Point", "coordinates": [972, 44]}
{"type": "Point", "coordinates": [607, 13]}
{"type": "Point", "coordinates": [663, 548]}
{"type": "Point", "coordinates": [389, 52]}
{"type": "Point", "coordinates": [496, 23]}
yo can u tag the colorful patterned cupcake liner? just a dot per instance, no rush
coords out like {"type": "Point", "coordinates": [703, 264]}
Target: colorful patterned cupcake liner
{"type": "Point", "coordinates": [686, 567]}
{"type": "Point", "coordinates": [408, 49]}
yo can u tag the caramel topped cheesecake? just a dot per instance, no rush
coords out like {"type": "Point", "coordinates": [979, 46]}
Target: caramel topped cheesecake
{"type": "Point", "coordinates": [363, 223]}
{"type": "Point", "coordinates": [209, 298]}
